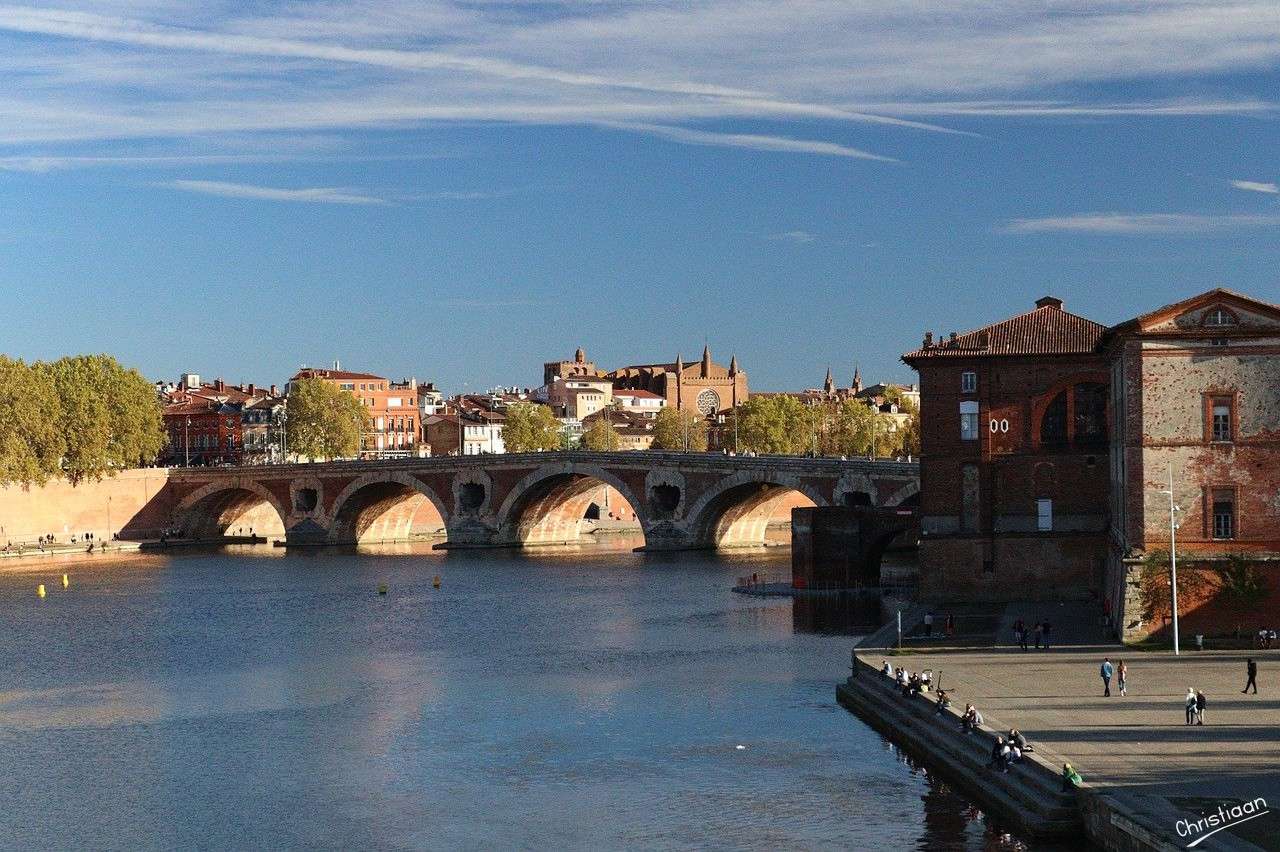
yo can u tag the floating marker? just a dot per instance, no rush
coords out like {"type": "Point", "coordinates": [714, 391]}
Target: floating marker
{"type": "Point", "coordinates": [40, 590]}
{"type": "Point", "coordinates": [382, 588]}
{"type": "Point", "coordinates": [740, 747]}
{"type": "Point", "coordinates": [436, 582]}
{"type": "Point", "coordinates": [65, 581]}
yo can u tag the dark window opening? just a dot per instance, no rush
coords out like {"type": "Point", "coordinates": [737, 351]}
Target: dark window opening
{"type": "Point", "coordinates": [1224, 514]}
{"type": "Point", "coordinates": [1221, 424]}
{"type": "Point", "coordinates": [1090, 413]}
{"type": "Point", "coordinates": [1053, 425]}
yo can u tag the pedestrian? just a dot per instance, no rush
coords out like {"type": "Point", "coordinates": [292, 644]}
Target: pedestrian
{"type": "Point", "coordinates": [1039, 631]}
{"type": "Point", "coordinates": [1200, 702]}
{"type": "Point", "coordinates": [1251, 669]}
{"type": "Point", "coordinates": [1191, 705]}
{"type": "Point", "coordinates": [1047, 627]}
{"type": "Point", "coordinates": [1070, 778]}
{"type": "Point", "coordinates": [1122, 677]}
{"type": "Point", "coordinates": [928, 623]}
{"type": "Point", "coordinates": [1106, 670]}
{"type": "Point", "coordinates": [951, 624]}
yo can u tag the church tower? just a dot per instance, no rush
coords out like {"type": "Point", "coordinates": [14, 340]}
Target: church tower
{"type": "Point", "coordinates": [857, 380]}
{"type": "Point", "coordinates": [829, 386]}
{"type": "Point", "coordinates": [706, 361]}
{"type": "Point", "coordinates": [679, 377]}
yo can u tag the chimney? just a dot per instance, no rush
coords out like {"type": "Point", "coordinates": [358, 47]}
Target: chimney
{"type": "Point", "coordinates": [219, 385]}
{"type": "Point", "coordinates": [253, 389]}
{"type": "Point", "coordinates": [337, 365]}
{"type": "Point", "coordinates": [928, 339]}
{"type": "Point", "coordinates": [951, 340]}
{"type": "Point", "coordinates": [1049, 302]}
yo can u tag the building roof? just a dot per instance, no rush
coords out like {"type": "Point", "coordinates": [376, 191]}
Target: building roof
{"type": "Point", "coordinates": [317, 372]}
{"type": "Point", "coordinates": [1046, 330]}
{"type": "Point", "coordinates": [1217, 295]}
{"type": "Point", "coordinates": [638, 394]}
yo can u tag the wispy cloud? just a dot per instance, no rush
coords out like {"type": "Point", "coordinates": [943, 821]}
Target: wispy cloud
{"type": "Point", "coordinates": [1141, 223]}
{"type": "Point", "coordinates": [1256, 186]}
{"type": "Point", "coordinates": [753, 141]}
{"type": "Point", "coordinates": [1067, 109]}
{"type": "Point", "coordinates": [798, 237]}
{"type": "Point", "coordinates": [314, 195]}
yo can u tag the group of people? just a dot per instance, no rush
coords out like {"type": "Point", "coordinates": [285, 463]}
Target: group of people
{"type": "Point", "coordinates": [911, 683]}
{"type": "Point", "coordinates": [1195, 706]}
{"type": "Point", "coordinates": [948, 624]}
{"type": "Point", "coordinates": [1006, 752]}
{"type": "Point", "coordinates": [1266, 637]}
{"type": "Point", "coordinates": [1121, 673]}
{"type": "Point", "coordinates": [1040, 631]}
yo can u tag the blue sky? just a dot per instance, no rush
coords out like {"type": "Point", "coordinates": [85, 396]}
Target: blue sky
{"type": "Point", "coordinates": [460, 191]}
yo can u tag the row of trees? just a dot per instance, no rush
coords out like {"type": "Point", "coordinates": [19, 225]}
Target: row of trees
{"type": "Point", "coordinates": [324, 421]}
{"type": "Point", "coordinates": [784, 425]}
{"type": "Point", "coordinates": [81, 417]}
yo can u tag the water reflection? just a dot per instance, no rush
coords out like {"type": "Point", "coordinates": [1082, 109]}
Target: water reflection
{"type": "Point", "coordinates": [593, 698]}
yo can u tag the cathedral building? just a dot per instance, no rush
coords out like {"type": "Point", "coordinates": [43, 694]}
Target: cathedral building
{"type": "Point", "coordinates": [704, 387]}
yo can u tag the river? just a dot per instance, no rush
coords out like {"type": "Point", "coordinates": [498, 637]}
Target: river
{"type": "Point", "coordinates": [586, 699]}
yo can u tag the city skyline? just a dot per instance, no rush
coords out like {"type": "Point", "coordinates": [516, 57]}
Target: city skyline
{"type": "Point", "coordinates": [456, 191]}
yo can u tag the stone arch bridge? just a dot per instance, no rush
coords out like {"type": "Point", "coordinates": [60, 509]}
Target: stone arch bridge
{"type": "Point", "coordinates": [678, 500]}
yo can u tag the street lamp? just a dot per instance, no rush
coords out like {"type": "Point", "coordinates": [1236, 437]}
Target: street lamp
{"type": "Point", "coordinates": [1173, 557]}
{"type": "Point", "coordinates": [284, 436]}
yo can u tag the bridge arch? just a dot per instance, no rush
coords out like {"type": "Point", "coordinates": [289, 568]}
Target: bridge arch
{"type": "Point", "coordinates": [386, 506]}
{"type": "Point", "coordinates": [549, 505]}
{"type": "Point", "coordinates": [237, 506]}
{"type": "Point", "coordinates": [737, 510]}
{"type": "Point", "coordinates": [907, 495]}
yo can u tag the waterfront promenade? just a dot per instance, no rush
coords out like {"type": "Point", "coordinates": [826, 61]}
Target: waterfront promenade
{"type": "Point", "coordinates": [1137, 746]}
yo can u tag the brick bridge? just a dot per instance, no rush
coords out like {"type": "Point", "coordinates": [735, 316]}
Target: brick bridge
{"type": "Point", "coordinates": [678, 500]}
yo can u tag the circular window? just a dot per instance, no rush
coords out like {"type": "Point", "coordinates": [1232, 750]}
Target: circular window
{"type": "Point", "coordinates": [708, 401]}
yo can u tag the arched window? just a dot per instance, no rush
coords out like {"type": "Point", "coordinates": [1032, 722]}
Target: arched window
{"type": "Point", "coordinates": [1090, 425]}
{"type": "Point", "coordinates": [1053, 423]}
{"type": "Point", "coordinates": [1219, 317]}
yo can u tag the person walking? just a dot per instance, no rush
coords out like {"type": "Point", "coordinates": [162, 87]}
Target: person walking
{"type": "Point", "coordinates": [1122, 677]}
{"type": "Point", "coordinates": [1200, 702]}
{"type": "Point", "coordinates": [1251, 669]}
{"type": "Point", "coordinates": [1105, 671]}
{"type": "Point", "coordinates": [928, 623]}
{"type": "Point", "coordinates": [1047, 628]}
{"type": "Point", "coordinates": [1039, 630]}
{"type": "Point", "coordinates": [1191, 705]}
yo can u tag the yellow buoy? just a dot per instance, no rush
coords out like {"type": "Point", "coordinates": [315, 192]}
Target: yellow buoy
{"type": "Point", "coordinates": [40, 590]}
{"type": "Point", "coordinates": [436, 581]}
{"type": "Point", "coordinates": [65, 581]}
{"type": "Point", "coordinates": [382, 588]}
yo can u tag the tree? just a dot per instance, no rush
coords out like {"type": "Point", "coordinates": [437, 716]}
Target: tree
{"type": "Point", "coordinates": [31, 439]}
{"type": "Point", "coordinates": [674, 429]}
{"type": "Point", "coordinates": [602, 437]}
{"type": "Point", "coordinates": [910, 431]}
{"type": "Point", "coordinates": [781, 425]}
{"type": "Point", "coordinates": [109, 416]}
{"type": "Point", "coordinates": [1154, 586]}
{"type": "Point", "coordinates": [531, 428]}
{"type": "Point", "coordinates": [1241, 587]}
{"type": "Point", "coordinates": [852, 431]}
{"type": "Point", "coordinates": [325, 422]}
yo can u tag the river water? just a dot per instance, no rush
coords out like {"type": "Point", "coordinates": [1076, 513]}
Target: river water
{"type": "Point", "coordinates": [586, 699]}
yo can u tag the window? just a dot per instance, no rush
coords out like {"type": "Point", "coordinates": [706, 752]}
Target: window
{"type": "Point", "coordinates": [1221, 414]}
{"type": "Point", "coordinates": [1224, 513]}
{"type": "Point", "coordinates": [1053, 425]}
{"type": "Point", "coordinates": [1218, 318]}
{"type": "Point", "coordinates": [1044, 515]}
{"type": "Point", "coordinates": [968, 382]}
{"type": "Point", "coordinates": [968, 421]}
{"type": "Point", "coordinates": [1090, 400]}
{"type": "Point", "coordinates": [1218, 341]}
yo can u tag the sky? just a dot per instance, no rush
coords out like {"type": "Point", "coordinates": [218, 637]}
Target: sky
{"type": "Point", "coordinates": [460, 191]}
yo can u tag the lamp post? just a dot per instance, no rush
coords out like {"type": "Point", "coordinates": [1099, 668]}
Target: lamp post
{"type": "Point", "coordinates": [108, 518]}
{"type": "Point", "coordinates": [1173, 557]}
{"type": "Point", "coordinates": [284, 436]}
{"type": "Point", "coordinates": [186, 440]}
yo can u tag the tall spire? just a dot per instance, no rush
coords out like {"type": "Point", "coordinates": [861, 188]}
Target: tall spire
{"type": "Point", "coordinates": [679, 384]}
{"type": "Point", "coordinates": [733, 365]}
{"type": "Point", "coordinates": [829, 384]}
{"type": "Point", "coordinates": [857, 379]}
{"type": "Point", "coordinates": [706, 361]}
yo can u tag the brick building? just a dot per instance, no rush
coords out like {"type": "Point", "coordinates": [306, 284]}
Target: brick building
{"type": "Point", "coordinates": [393, 409]}
{"type": "Point", "coordinates": [212, 422]}
{"type": "Point", "coordinates": [1013, 472]}
{"type": "Point", "coordinates": [706, 387]}
{"type": "Point", "coordinates": [1196, 391]}
{"type": "Point", "coordinates": [1048, 441]}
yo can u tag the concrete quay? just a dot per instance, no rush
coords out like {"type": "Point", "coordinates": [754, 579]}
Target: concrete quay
{"type": "Point", "coordinates": [1148, 775]}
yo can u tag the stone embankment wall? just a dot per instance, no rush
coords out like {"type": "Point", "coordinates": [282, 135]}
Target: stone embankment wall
{"type": "Point", "coordinates": [134, 503]}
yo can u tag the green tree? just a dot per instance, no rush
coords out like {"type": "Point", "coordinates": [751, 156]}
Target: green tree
{"type": "Point", "coordinates": [325, 422]}
{"type": "Point", "coordinates": [852, 429]}
{"type": "Point", "coordinates": [779, 424]}
{"type": "Point", "coordinates": [602, 437]}
{"type": "Point", "coordinates": [674, 429]}
{"type": "Point", "coordinates": [1241, 588]}
{"type": "Point", "coordinates": [31, 438]}
{"type": "Point", "coordinates": [909, 432]}
{"type": "Point", "coordinates": [531, 428]}
{"type": "Point", "coordinates": [109, 416]}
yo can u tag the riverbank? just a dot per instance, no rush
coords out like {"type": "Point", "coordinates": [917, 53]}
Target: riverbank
{"type": "Point", "coordinates": [1144, 768]}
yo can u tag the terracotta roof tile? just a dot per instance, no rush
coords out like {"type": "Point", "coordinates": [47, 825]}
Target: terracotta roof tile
{"type": "Point", "coordinates": [1047, 330]}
